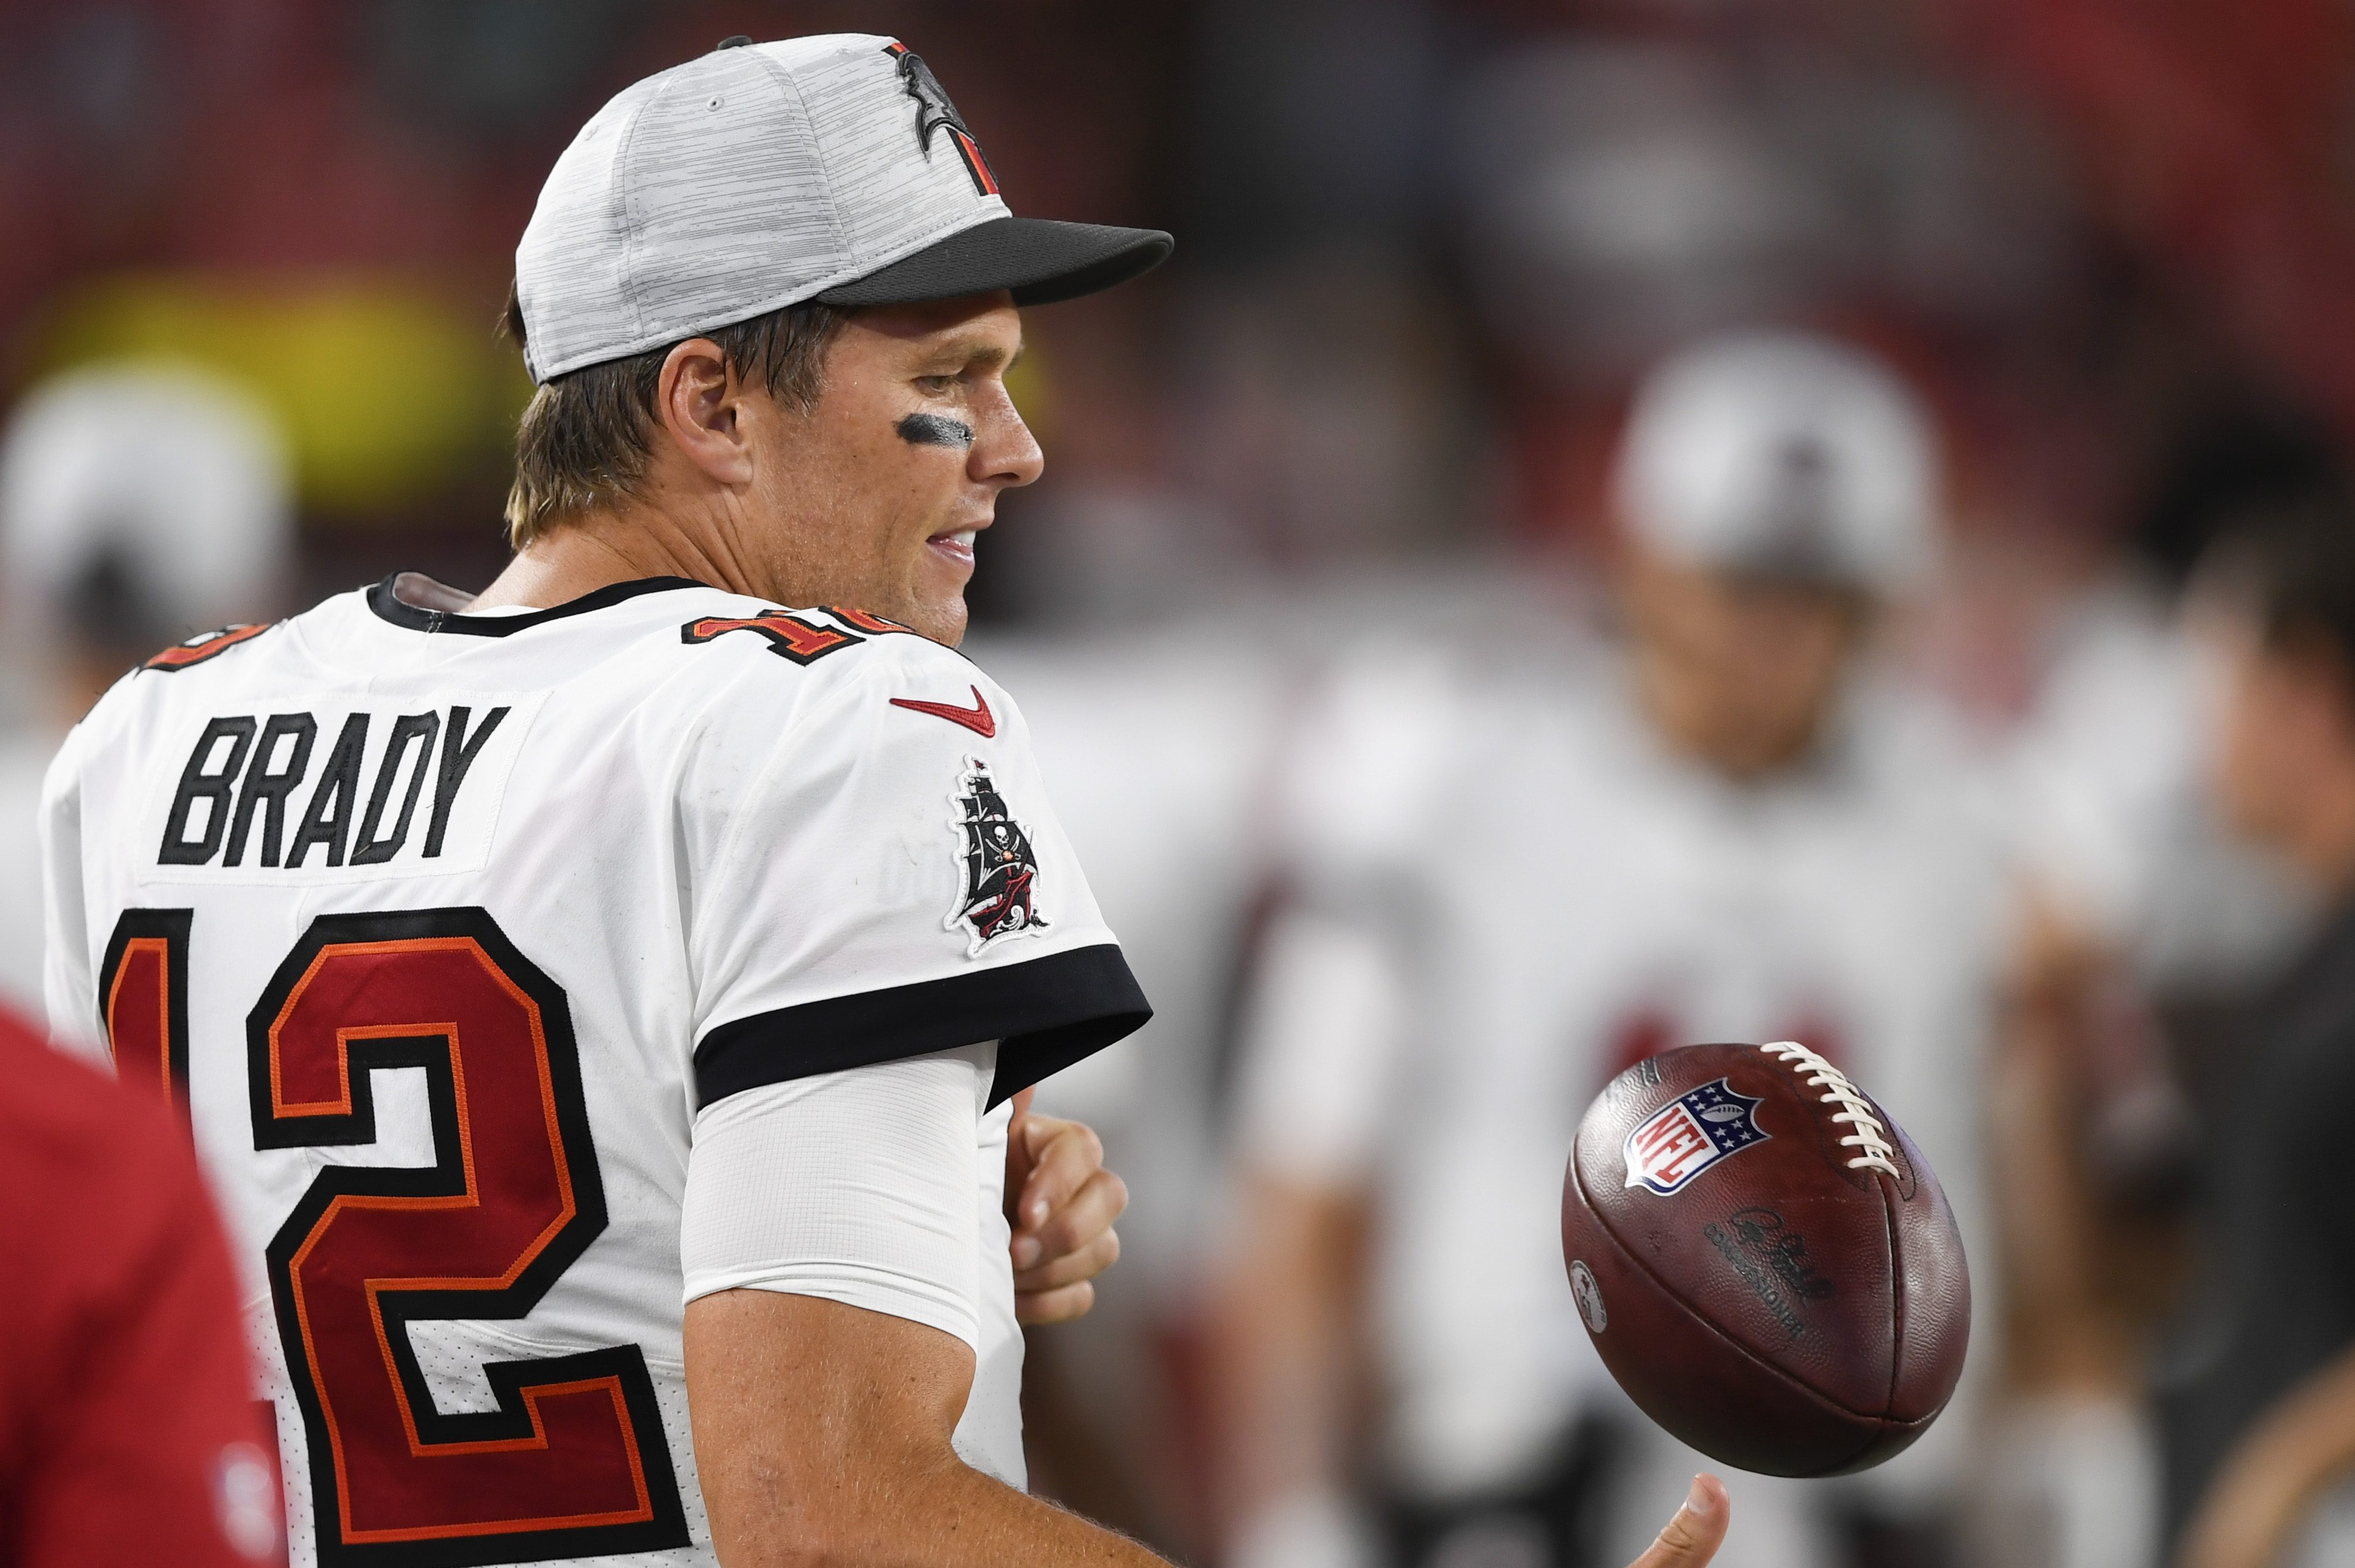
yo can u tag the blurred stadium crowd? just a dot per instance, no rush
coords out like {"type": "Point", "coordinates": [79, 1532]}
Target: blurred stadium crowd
{"type": "Point", "coordinates": [1626, 523]}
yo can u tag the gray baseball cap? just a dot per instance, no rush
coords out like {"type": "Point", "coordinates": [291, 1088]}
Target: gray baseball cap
{"type": "Point", "coordinates": [831, 168]}
{"type": "Point", "coordinates": [1783, 454]}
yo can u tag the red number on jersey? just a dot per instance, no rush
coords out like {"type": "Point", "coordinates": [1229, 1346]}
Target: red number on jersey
{"type": "Point", "coordinates": [197, 650]}
{"type": "Point", "coordinates": [790, 636]}
{"type": "Point", "coordinates": [572, 1463]}
{"type": "Point", "coordinates": [142, 1000]}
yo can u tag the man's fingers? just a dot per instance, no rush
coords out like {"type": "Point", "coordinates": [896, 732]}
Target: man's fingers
{"type": "Point", "coordinates": [1073, 1266]}
{"type": "Point", "coordinates": [1692, 1537]}
{"type": "Point", "coordinates": [1063, 1154]}
{"type": "Point", "coordinates": [1074, 1223]}
{"type": "Point", "coordinates": [1074, 1301]}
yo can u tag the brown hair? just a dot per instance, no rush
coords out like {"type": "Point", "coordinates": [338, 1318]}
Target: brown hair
{"type": "Point", "coordinates": [586, 435]}
{"type": "Point", "coordinates": [2291, 570]}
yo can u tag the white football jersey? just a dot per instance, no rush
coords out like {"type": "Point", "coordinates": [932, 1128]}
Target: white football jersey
{"type": "Point", "coordinates": [450, 930]}
{"type": "Point", "coordinates": [1509, 891]}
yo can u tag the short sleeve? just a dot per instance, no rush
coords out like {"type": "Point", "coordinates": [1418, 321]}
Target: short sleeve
{"type": "Point", "coordinates": [887, 881]}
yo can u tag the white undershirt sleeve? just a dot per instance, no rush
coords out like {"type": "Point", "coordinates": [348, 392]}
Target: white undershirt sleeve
{"type": "Point", "coordinates": [1322, 1051]}
{"type": "Point", "coordinates": [858, 1186]}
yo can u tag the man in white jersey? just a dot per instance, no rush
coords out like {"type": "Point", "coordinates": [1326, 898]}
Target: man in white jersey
{"type": "Point", "coordinates": [1523, 876]}
{"type": "Point", "coordinates": [605, 1002]}
{"type": "Point", "coordinates": [138, 502]}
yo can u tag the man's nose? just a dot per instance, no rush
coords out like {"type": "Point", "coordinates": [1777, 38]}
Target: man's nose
{"type": "Point", "coordinates": [1008, 455]}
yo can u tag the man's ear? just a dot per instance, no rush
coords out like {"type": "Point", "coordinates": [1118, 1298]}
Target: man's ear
{"type": "Point", "coordinates": [698, 402]}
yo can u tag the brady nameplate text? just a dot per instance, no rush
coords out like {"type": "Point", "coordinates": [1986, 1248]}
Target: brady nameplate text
{"type": "Point", "coordinates": [305, 790]}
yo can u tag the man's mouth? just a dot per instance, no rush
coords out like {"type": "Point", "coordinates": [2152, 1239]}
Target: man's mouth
{"type": "Point", "coordinates": [956, 545]}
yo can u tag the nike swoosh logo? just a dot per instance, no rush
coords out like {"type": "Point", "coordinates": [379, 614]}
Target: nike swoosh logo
{"type": "Point", "coordinates": [977, 717]}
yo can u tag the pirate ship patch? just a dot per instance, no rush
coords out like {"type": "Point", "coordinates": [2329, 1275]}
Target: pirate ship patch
{"type": "Point", "coordinates": [1001, 868]}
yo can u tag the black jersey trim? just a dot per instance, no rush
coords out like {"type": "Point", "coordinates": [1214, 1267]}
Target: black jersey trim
{"type": "Point", "coordinates": [1045, 1014]}
{"type": "Point", "coordinates": [390, 606]}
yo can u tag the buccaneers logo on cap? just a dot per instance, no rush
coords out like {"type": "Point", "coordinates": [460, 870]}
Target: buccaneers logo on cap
{"type": "Point", "coordinates": [1001, 870]}
{"type": "Point", "coordinates": [935, 113]}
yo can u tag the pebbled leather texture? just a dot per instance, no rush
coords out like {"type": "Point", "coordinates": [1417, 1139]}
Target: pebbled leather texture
{"type": "Point", "coordinates": [1779, 1310]}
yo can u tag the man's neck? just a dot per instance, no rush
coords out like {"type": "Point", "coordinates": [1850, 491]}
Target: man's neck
{"type": "Point", "coordinates": [591, 550]}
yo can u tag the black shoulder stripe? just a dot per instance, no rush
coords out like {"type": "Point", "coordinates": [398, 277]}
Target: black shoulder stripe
{"type": "Point", "coordinates": [1046, 1014]}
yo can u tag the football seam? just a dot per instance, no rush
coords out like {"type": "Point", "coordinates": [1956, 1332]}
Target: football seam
{"type": "Point", "coordinates": [1604, 1222]}
{"type": "Point", "coordinates": [1896, 1300]}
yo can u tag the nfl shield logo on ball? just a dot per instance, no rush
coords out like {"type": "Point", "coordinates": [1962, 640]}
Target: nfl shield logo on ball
{"type": "Point", "coordinates": [1689, 1135]}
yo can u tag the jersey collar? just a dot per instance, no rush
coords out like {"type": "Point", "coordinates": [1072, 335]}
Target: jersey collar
{"type": "Point", "coordinates": [390, 606]}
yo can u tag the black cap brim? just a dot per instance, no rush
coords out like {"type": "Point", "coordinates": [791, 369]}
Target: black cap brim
{"type": "Point", "coordinates": [1038, 260]}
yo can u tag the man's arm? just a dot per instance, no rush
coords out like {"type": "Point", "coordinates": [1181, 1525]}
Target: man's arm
{"type": "Point", "coordinates": [1321, 1080]}
{"type": "Point", "coordinates": [822, 1433]}
{"type": "Point", "coordinates": [2273, 1475]}
{"type": "Point", "coordinates": [1288, 1356]}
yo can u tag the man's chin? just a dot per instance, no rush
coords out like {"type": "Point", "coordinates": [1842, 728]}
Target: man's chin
{"type": "Point", "coordinates": [943, 619]}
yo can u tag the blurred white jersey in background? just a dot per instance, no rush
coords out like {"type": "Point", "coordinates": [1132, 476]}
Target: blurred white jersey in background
{"type": "Point", "coordinates": [1503, 891]}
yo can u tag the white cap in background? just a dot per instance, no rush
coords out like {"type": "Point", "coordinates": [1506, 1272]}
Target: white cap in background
{"type": "Point", "coordinates": [831, 168]}
{"type": "Point", "coordinates": [168, 477]}
{"type": "Point", "coordinates": [1786, 455]}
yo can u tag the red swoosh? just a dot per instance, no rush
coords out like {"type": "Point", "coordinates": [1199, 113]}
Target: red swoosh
{"type": "Point", "coordinates": [977, 717]}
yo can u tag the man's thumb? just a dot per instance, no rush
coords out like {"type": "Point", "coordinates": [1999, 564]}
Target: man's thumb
{"type": "Point", "coordinates": [1692, 1537]}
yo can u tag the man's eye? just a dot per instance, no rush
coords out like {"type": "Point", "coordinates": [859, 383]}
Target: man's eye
{"type": "Point", "coordinates": [935, 385]}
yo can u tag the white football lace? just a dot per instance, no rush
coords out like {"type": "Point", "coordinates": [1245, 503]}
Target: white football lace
{"type": "Point", "coordinates": [1855, 1110]}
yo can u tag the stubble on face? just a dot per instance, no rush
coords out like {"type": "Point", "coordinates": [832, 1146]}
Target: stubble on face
{"type": "Point", "coordinates": [865, 501]}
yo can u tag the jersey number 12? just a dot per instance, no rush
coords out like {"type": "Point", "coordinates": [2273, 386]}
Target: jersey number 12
{"type": "Point", "coordinates": [572, 1462]}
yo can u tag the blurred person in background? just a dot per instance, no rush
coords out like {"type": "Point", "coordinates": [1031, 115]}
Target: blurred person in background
{"type": "Point", "coordinates": [1508, 883]}
{"type": "Point", "coordinates": [139, 503]}
{"type": "Point", "coordinates": [2115, 827]}
{"type": "Point", "coordinates": [2152, 926]}
{"type": "Point", "coordinates": [2257, 1393]}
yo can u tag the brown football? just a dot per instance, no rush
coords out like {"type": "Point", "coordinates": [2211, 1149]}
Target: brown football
{"type": "Point", "coordinates": [1764, 1259]}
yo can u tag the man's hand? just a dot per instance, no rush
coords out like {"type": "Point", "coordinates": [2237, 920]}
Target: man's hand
{"type": "Point", "coordinates": [1062, 1202]}
{"type": "Point", "coordinates": [1692, 1537]}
